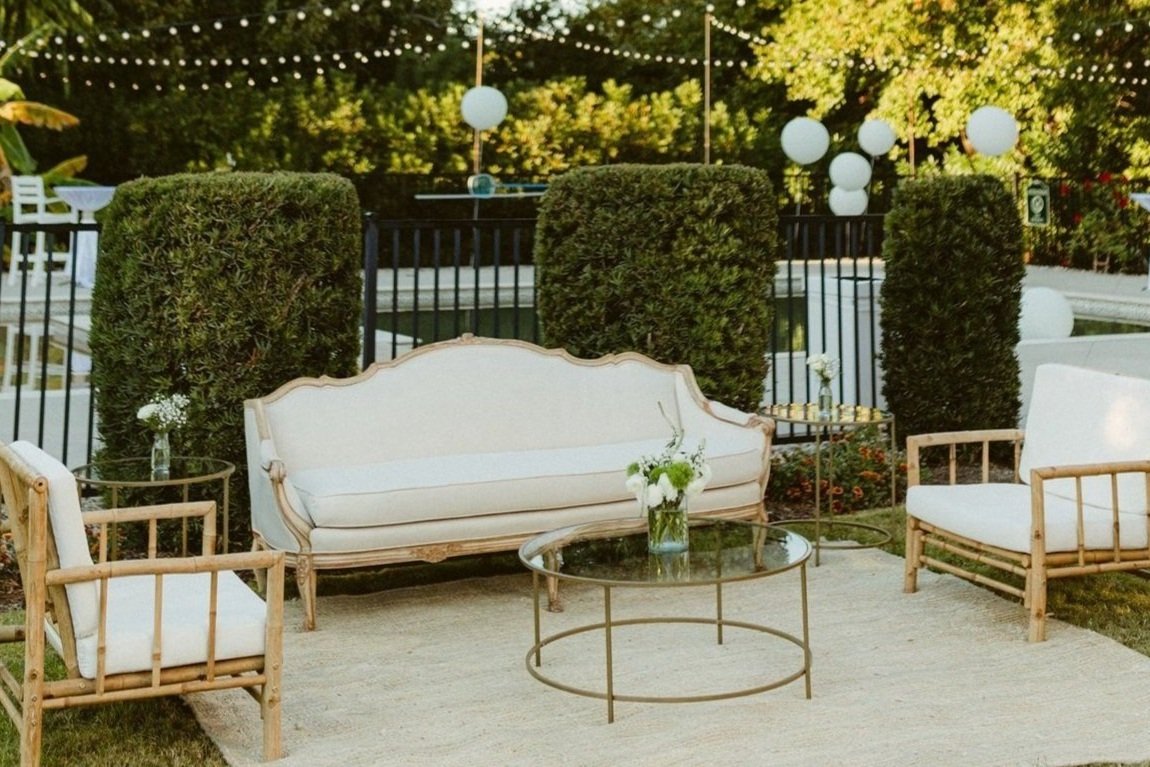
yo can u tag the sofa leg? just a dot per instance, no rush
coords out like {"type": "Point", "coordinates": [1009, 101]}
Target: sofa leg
{"type": "Point", "coordinates": [553, 602]}
{"type": "Point", "coordinates": [305, 582]}
{"type": "Point", "coordinates": [914, 546]}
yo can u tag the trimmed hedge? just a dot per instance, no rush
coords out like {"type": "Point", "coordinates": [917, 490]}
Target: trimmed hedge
{"type": "Point", "coordinates": [950, 304]}
{"type": "Point", "coordinates": [221, 286]}
{"type": "Point", "coordinates": [674, 261]}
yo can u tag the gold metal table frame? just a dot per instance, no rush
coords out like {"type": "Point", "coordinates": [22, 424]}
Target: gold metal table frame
{"type": "Point", "coordinates": [614, 555]}
{"type": "Point", "coordinates": [122, 473]}
{"type": "Point", "coordinates": [842, 418]}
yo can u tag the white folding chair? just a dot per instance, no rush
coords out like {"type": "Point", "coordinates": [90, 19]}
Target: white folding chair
{"type": "Point", "coordinates": [31, 205]}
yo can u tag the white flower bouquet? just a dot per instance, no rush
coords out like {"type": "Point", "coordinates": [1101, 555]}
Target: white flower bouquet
{"type": "Point", "coordinates": [164, 414]}
{"type": "Point", "coordinates": [824, 366]}
{"type": "Point", "coordinates": [662, 483]}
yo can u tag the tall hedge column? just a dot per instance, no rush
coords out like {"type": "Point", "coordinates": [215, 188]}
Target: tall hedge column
{"type": "Point", "coordinates": [675, 261]}
{"type": "Point", "coordinates": [221, 286]}
{"type": "Point", "coordinates": [950, 304]}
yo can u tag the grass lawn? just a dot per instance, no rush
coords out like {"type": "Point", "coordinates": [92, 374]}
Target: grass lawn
{"type": "Point", "coordinates": [164, 733]}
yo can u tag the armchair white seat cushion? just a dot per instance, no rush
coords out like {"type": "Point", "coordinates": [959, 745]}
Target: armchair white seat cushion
{"type": "Point", "coordinates": [998, 514]}
{"type": "Point", "coordinates": [240, 623]}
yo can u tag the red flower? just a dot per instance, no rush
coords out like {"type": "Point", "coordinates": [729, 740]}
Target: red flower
{"type": "Point", "coordinates": [1064, 189]}
{"type": "Point", "coordinates": [1105, 177]}
{"type": "Point", "coordinates": [1077, 218]}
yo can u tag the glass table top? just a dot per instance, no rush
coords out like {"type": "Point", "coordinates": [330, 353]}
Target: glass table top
{"type": "Point", "coordinates": [138, 471]}
{"type": "Point", "coordinates": [808, 412]}
{"type": "Point", "coordinates": [615, 552]}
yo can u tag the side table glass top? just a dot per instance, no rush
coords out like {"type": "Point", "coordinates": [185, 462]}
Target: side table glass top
{"type": "Point", "coordinates": [137, 472]}
{"type": "Point", "coordinates": [808, 413]}
{"type": "Point", "coordinates": [720, 551]}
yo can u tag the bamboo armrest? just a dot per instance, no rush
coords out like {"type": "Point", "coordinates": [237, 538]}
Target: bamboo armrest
{"type": "Point", "coordinates": [249, 560]}
{"type": "Point", "coordinates": [146, 513]}
{"type": "Point", "coordinates": [1088, 470]}
{"type": "Point", "coordinates": [952, 439]}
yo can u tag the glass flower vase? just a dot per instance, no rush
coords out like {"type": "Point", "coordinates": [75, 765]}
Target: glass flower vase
{"type": "Point", "coordinates": [826, 401]}
{"type": "Point", "coordinates": [667, 527]}
{"type": "Point", "coordinates": [161, 455]}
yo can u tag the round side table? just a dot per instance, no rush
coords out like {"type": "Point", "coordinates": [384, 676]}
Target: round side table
{"type": "Point", "coordinates": [842, 418]}
{"type": "Point", "coordinates": [122, 473]}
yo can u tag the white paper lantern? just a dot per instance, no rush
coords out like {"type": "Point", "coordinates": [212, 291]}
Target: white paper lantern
{"type": "Point", "coordinates": [876, 137]}
{"type": "Point", "coordinates": [992, 130]}
{"type": "Point", "coordinates": [1045, 314]}
{"type": "Point", "coordinates": [805, 140]}
{"type": "Point", "coordinates": [483, 107]}
{"type": "Point", "coordinates": [850, 171]}
{"type": "Point", "coordinates": [846, 202]}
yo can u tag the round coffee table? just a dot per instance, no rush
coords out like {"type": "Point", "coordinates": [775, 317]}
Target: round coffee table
{"type": "Point", "coordinates": [613, 555]}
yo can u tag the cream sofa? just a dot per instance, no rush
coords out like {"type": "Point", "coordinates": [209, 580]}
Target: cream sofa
{"type": "Point", "coordinates": [475, 445]}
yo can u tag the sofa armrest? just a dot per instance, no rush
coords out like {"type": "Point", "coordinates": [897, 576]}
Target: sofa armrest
{"type": "Point", "coordinates": [951, 440]}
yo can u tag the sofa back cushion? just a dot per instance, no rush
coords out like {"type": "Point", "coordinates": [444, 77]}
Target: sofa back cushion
{"type": "Point", "coordinates": [472, 397]}
{"type": "Point", "coordinates": [1078, 416]}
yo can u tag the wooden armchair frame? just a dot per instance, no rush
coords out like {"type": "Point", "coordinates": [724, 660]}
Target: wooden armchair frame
{"type": "Point", "coordinates": [1036, 566]}
{"type": "Point", "coordinates": [26, 504]}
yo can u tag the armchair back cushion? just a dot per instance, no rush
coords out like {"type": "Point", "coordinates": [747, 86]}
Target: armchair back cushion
{"type": "Point", "coordinates": [68, 531]}
{"type": "Point", "coordinates": [1079, 416]}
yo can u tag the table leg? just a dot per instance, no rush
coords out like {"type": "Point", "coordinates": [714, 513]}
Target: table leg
{"type": "Point", "coordinates": [535, 598]}
{"type": "Point", "coordinates": [806, 629]}
{"type": "Point", "coordinates": [719, 611]}
{"type": "Point", "coordinates": [227, 523]}
{"type": "Point", "coordinates": [610, 663]}
{"type": "Point", "coordinates": [818, 491]}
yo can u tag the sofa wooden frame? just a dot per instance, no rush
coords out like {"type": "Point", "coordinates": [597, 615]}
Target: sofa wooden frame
{"type": "Point", "coordinates": [1036, 566]}
{"type": "Point", "coordinates": [25, 699]}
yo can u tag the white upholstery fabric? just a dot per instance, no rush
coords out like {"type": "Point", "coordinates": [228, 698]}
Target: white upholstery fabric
{"type": "Point", "coordinates": [465, 485]}
{"type": "Point", "coordinates": [471, 399]}
{"type": "Point", "coordinates": [240, 619]}
{"type": "Point", "coordinates": [1000, 515]}
{"type": "Point", "coordinates": [1081, 416]}
{"type": "Point", "coordinates": [68, 529]}
{"type": "Point", "coordinates": [454, 531]}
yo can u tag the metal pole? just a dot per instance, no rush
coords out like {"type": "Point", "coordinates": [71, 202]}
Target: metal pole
{"type": "Point", "coordinates": [476, 146]}
{"type": "Point", "coordinates": [707, 89]}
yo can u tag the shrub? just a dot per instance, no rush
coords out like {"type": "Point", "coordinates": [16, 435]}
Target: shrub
{"type": "Point", "coordinates": [862, 468]}
{"type": "Point", "coordinates": [222, 287]}
{"type": "Point", "coordinates": [950, 304]}
{"type": "Point", "coordinates": [674, 261]}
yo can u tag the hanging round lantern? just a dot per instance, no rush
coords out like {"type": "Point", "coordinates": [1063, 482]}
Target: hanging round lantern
{"type": "Point", "coordinates": [992, 130]}
{"type": "Point", "coordinates": [845, 202]}
{"type": "Point", "coordinates": [483, 107]}
{"type": "Point", "coordinates": [805, 140]}
{"type": "Point", "coordinates": [850, 171]}
{"type": "Point", "coordinates": [876, 137]}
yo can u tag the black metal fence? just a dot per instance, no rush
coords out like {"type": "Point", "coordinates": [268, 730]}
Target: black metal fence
{"type": "Point", "coordinates": [431, 280]}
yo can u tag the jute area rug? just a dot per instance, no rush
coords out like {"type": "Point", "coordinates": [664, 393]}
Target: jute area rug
{"type": "Point", "coordinates": [436, 675]}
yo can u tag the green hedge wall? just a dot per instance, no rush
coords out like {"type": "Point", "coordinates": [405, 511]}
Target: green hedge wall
{"type": "Point", "coordinates": [674, 261]}
{"type": "Point", "coordinates": [221, 286]}
{"type": "Point", "coordinates": [950, 304]}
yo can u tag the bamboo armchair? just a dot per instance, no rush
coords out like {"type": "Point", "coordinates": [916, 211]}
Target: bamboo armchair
{"type": "Point", "coordinates": [130, 629]}
{"type": "Point", "coordinates": [1078, 502]}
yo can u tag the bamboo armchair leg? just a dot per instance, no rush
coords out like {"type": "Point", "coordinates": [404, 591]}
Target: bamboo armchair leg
{"type": "Point", "coordinates": [914, 546]}
{"type": "Point", "coordinates": [1036, 598]}
{"type": "Point", "coordinates": [261, 575]}
{"type": "Point", "coordinates": [554, 604]}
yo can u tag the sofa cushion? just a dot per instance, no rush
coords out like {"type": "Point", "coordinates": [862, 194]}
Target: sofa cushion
{"type": "Point", "coordinates": [455, 486]}
{"type": "Point", "coordinates": [999, 515]}
{"type": "Point", "coordinates": [1080, 416]}
{"type": "Point", "coordinates": [240, 617]}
